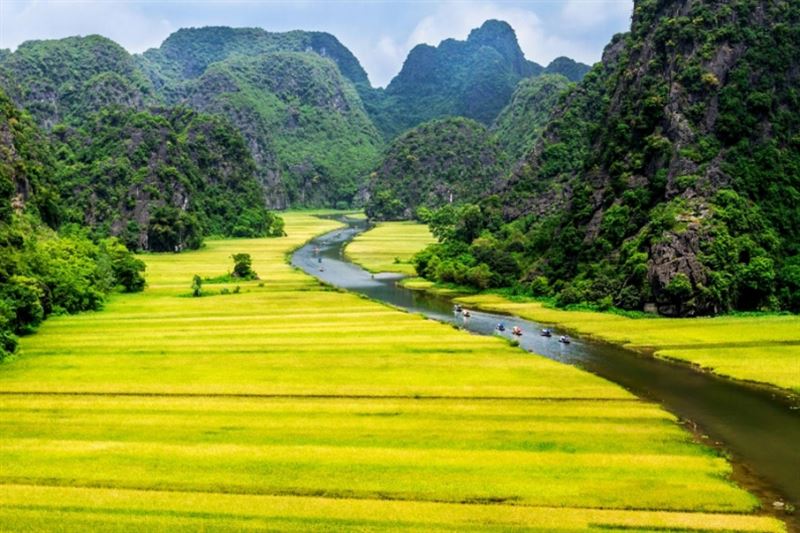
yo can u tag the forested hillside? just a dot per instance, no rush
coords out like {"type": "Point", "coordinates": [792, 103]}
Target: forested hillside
{"type": "Point", "coordinates": [311, 121]}
{"type": "Point", "coordinates": [159, 180]}
{"type": "Point", "coordinates": [303, 121]}
{"type": "Point", "coordinates": [439, 162]}
{"type": "Point", "coordinates": [64, 80]}
{"type": "Point", "coordinates": [41, 271]}
{"type": "Point", "coordinates": [294, 96]}
{"type": "Point", "coordinates": [669, 176]}
{"type": "Point", "coordinates": [458, 160]}
{"type": "Point", "coordinates": [522, 121]}
{"type": "Point", "coordinates": [186, 54]}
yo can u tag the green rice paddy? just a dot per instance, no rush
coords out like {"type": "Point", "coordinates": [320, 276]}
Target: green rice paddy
{"type": "Point", "coordinates": [390, 246]}
{"type": "Point", "coordinates": [764, 349]}
{"type": "Point", "coordinates": [291, 407]}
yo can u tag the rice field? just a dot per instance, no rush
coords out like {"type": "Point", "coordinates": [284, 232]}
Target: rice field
{"type": "Point", "coordinates": [290, 407]}
{"type": "Point", "coordinates": [764, 349]}
{"type": "Point", "coordinates": [389, 247]}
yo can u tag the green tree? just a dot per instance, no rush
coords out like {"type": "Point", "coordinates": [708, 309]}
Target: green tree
{"type": "Point", "coordinates": [243, 267]}
{"type": "Point", "coordinates": [23, 298]}
{"type": "Point", "coordinates": [127, 269]}
{"type": "Point", "coordinates": [197, 286]}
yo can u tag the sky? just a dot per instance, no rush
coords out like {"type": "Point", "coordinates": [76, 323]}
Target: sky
{"type": "Point", "coordinates": [379, 32]}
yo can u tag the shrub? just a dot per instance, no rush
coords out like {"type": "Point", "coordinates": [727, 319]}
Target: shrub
{"type": "Point", "coordinates": [679, 287]}
{"type": "Point", "coordinates": [197, 286]}
{"type": "Point", "coordinates": [127, 269]}
{"type": "Point", "coordinates": [242, 267]}
{"type": "Point", "coordinates": [540, 286]}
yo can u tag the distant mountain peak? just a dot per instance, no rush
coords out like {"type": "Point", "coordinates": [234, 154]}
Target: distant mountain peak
{"type": "Point", "coordinates": [493, 29]}
{"type": "Point", "coordinates": [501, 36]}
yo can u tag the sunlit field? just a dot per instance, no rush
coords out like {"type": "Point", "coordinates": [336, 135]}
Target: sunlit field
{"type": "Point", "coordinates": [390, 246]}
{"type": "Point", "coordinates": [291, 407]}
{"type": "Point", "coordinates": [765, 349]}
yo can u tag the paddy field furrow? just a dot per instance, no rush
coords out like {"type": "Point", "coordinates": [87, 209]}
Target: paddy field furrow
{"type": "Point", "coordinates": [295, 408]}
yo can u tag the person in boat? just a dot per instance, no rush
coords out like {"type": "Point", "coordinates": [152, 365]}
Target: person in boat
{"type": "Point", "coordinates": [547, 333]}
{"type": "Point", "coordinates": [501, 327]}
{"type": "Point", "coordinates": [516, 330]}
{"type": "Point", "coordinates": [467, 314]}
{"type": "Point", "coordinates": [564, 339]}
{"type": "Point", "coordinates": [458, 308]}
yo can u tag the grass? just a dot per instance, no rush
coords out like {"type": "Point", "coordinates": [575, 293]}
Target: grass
{"type": "Point", "coordinates": [390, 246]}
{"type": "Point", "coordinates": [764, 349]}
{"type": "Point", "coordinates": [290, 407]}
{"type": "Point", "coordinates": [449, 290]}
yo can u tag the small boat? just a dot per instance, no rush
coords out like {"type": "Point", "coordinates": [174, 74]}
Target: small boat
{"type": "Point", "coordinates": [457, 308]}
{"type": "Point", "coordinates": [516, 331]}
{"type": "Point", "coordinates": [564, 339]}
{"type": "Point", "coordinates": [547, 333]}
{"type": "Point", "coordinates": [467, 314]}
{"type": "Point", "coordinates": [501, 327]}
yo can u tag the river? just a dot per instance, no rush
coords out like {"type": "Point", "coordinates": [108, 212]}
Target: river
{"type": "Point", "coordinates": [758, 429]}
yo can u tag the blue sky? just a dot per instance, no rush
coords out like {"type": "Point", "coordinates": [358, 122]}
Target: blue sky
{"type": "Point", "coordinates": [379, 32]}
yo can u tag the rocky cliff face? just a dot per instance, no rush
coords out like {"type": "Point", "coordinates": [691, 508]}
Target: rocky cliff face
{"type": "Point", "coordinates": [294, 96]}
{"type": "Point", "coordinates": [304, 123]}
{"type": "Point", "coordinates": [26, 165]}
{"type": "Point", "coordinates": [158, 180]}
{"type": "Point", "coordinates": [690, 122]}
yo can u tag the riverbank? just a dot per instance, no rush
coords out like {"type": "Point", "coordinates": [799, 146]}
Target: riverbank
{"type": "Point", "coordinates": [758, 349]}
{"type": "Point", "coordinates": [761, 349]}
{"type": "Point", "coordinates": [292, 406]}
{"type": "Point", "coordinates": [389, 247]}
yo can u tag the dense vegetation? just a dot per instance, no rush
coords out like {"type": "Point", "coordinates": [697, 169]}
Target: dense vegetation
{"type": "Point", "coordinates": [569, 68]}
{"type": "Point", "coordinates": [294, 96]}
{"type": "Point", "coordinates": [440, 162]}
{"type": "Point", "coordinates": [66, 79]}
{"type": "Point", "coordinates": [304, 121]}
{"type": "Point", "coordinates": [524, 118]}
{"type": "Point", "coordinates": [160, 180]}
{"type": "Point", "coordinates": [473, 78]}
{"type": "Point", "coordinates": [311, 120]}
{"type": "Point", "coordinates": [670, 176]}
{"type": "Point", "coordinates": [457, 160]}
{"type": "Point", "coordinates": [41, 271]}
{"type": "Point", "coordinates": [186, 54]}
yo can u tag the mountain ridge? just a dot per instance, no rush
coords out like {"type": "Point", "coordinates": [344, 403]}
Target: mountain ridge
{"type": "Point", "coordinates": [474, 78]}
{"type": "Point", "coordinates": [667, 179]}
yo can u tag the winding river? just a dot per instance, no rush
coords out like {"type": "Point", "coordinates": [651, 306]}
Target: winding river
{"type": "Point", "coordinates": [760, 430]}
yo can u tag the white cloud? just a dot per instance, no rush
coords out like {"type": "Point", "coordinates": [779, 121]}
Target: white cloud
{"type": "Point", "coordinates": [121, 21]}
{"type": "Point", "coordinates": [583, 14]}
{"type": "Point", "coordinates": [457, 19]}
